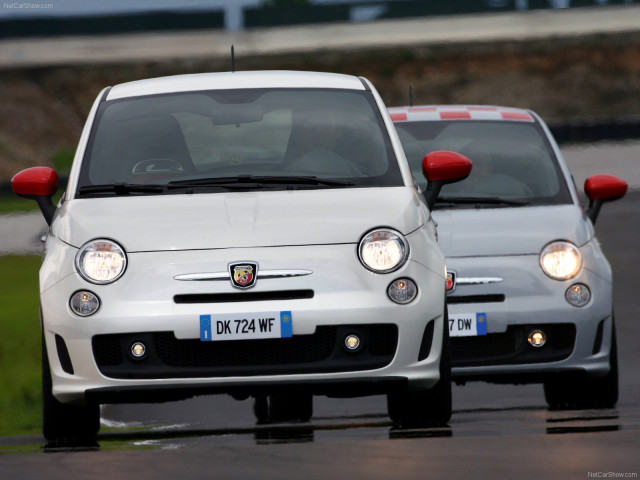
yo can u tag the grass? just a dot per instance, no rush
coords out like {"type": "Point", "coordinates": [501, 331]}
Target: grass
{"type": "Point", "coordinates": [10, 203]}
{"type": "Point", "coordinates": [20, 348]}
{"type": "Point", "coordinates": [20, 374]}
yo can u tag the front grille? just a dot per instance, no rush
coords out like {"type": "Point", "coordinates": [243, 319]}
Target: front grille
{"type": "Point", "coordinates": [511, 347]}
{"type": "Point", "coordinates": [275, 351]}
{"type": "Point", "coordinates": [459, 299]}
{"type": "Point", "coordinates": [321, 352]}
{"type": "Point", "coordinates": [243, 296]}
{"type": "Point", "coordinates": [107, 350]}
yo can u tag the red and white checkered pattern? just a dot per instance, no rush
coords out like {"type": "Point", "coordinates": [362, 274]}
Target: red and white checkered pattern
{"type": "Point", "coordinates": [458, 112]}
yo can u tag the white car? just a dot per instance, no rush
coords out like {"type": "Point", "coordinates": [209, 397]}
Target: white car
{"type": "Point", "coordinates": [250, 233]}
{"type": "Point", "coordinates": [530, 291]}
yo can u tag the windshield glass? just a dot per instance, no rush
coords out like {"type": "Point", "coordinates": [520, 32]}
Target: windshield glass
{"type": "Point", "coordinates": [512, 162]}
{"type": "Point", "coordinates": [204, 141]}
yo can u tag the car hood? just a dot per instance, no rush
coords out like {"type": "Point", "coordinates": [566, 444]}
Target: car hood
{"type": "Point", "coordinates": [509, 231]}
{"type": "Point", "coordinates": [239, 219]}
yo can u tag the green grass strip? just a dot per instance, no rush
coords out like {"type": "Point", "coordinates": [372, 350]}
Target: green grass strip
{"type": "Point", "coordinates": [20, 394]}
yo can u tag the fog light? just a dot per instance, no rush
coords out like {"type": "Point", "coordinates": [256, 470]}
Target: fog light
{"type": "Point", "coordinates": [402, 291]}
{"type": "Point", "coordinates": [352, 342]}
{"type": "Point", "coordinates": [84, 303]}
{"type": "Point", "coordinates": [537, 338]}
{"type": "Point", "coordinates": [578, 295]}
{"type": "Point", "coordinates": [138, 350]}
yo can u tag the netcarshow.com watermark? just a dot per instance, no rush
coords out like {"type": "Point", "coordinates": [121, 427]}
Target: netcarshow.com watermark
{"type": "Point", "coordinates": [27, 6]}
{"type": "Point", "coordinates": [612, 475]}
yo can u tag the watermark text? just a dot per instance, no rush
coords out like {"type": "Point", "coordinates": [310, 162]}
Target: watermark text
{"type": "Point", "coordinates": [27, 6]}
{"type": "Point", "coordinates": [612, 474]}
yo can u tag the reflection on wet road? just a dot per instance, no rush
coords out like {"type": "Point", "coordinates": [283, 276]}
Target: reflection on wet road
{"type": "Point", "coordinates": [533, 421]}
{"type": "Point", "coordinates": [522, 443]}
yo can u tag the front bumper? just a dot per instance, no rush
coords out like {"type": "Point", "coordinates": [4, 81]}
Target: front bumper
{"type": "Point", "coordinates": [525, 300]}
{"type": "Point", "coordinates": [90, 355]}
{"type": "Point", "coordinates": [339, 388]}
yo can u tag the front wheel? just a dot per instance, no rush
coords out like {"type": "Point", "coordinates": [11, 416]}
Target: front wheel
{"type": "Point", "coordinates": [427, 408]}
{"type": "Point", "coordinates": [64, 424]}
{"type": "Point", "coordinates": [582, 392]}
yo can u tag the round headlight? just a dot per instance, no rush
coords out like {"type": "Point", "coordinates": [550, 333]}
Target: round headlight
{"type": "Point", "coordinates": [101, 261]}
{"type": "Point", "coordinates": [383, 250]}
{"type": "Point", "coordinates": [561, 260]}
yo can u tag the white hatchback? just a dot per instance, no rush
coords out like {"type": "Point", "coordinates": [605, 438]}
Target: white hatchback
{"type": "Point", "coordinates": [254, 233]}
{"type": "Point", "coordinates": [530, 290]}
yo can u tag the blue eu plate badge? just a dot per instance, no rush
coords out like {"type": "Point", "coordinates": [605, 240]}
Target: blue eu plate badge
{"type": "Point", "coordinates": [467, 324]}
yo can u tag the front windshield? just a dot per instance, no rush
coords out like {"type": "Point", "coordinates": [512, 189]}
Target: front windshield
{"type": "Point", "coordinates": [308, 138]}
{"type": "Point", "coordinates": [512, 161]}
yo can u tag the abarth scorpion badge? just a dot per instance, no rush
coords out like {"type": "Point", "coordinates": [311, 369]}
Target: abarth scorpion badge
{"type": "Point", "coordinates": [243, 275]}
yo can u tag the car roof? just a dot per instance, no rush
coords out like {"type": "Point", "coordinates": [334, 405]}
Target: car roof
{"type": "Point", "coordinates": [231, 80]}
{"type": "Point", "coordinates": [422, 113]}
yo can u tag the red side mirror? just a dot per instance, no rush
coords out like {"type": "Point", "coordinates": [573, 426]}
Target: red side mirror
{"type": "Point", "coordinates": [39, 184]}
{"type": "Point", "coordinates": [600, 189]}
{"type": "Point", "coordinates": [605, 187]}
{"type": "Point", "coordinates": [447, 167]}
{"type": "Point", "coordinates": [35, 182]}
{"type": "Point", "coordinates": [441, 168]}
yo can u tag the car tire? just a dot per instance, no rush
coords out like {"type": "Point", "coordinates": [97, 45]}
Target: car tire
{"type": "Point", "coordinates": [426, 408]}
{"type": "Point", "coordinates": [282, 407]}
{"type": "Point", "coordinates": [582, 392]}
{"type": "Point", "coordinates": [64, 424]}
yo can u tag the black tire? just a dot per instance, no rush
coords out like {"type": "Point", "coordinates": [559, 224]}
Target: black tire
{"type": "Point", "coordinates": [64, 424]}
{"type": "Point", "coordinates": [283, 407]}
{"type": "Point", "coordinates": [583, 392]}
{"type": "Point", "coordinates": [428, 408]}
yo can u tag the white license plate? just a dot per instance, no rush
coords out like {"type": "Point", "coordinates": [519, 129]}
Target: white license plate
{"type": "Point", "coordinates": [246, 326]}
{"type": "Point", "coordinates": [467, 324]}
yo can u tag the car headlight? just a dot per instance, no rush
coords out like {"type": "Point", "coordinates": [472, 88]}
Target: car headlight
{"type": "Point", "coordinates": [561, 260]}
{"type": "Point", "coordinates": [101, 261]}
{"type": "Point", "coordinates": [383, 250]}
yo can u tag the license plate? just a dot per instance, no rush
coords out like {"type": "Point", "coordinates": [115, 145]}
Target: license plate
{"type": "Point", "coordinates": [246, 326]}
{"type": "Point", "coordinates": [467, 324]}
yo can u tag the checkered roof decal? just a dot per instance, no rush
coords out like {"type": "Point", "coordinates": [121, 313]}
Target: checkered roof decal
{"type": "Point", "coordinates": [458, 112]}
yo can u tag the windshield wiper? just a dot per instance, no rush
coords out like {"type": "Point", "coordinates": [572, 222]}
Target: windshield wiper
{"type": "Point", "coordinates": [303, 180]}
{"type": "Point", "coordinates": [122, 188]}
{"type": "Point", "coordinates": [256, 181]}
{"type": "Point", "coordinates": [480, 201]}
{"type": "Point", "coordinates": [239, 182]}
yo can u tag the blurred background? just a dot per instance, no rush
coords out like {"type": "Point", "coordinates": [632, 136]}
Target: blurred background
{"type": "Point", "coordinates": [575, 62]}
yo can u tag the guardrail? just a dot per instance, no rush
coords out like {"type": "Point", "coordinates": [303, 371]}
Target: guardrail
{"type": "Point", "coordinates": [589, 131]}
{"type": "Point", "coordinates": [177, 18]}
{"type": "Point", "coordinates": [109, 24]}
{"type": "Point", "coordinates": [269, 16]}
